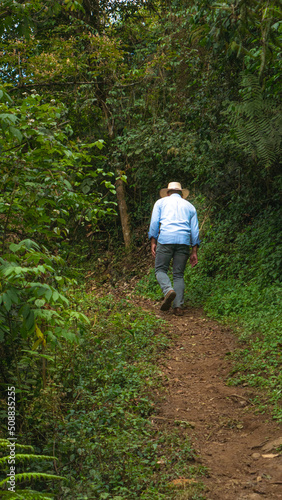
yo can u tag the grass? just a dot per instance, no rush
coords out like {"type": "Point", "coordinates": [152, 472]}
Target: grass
{"type": "Point", "coordinates": [255, 314]}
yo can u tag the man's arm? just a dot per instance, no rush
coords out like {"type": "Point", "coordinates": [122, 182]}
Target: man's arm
{"type": "Point", "coordinates": [194, 256]}
{"type": "Point", "coordinates": [153, 247]}
{"type": "Point", "coordinates": [154, 228]}
{"type": "Point", "coordinates": [195, 240]}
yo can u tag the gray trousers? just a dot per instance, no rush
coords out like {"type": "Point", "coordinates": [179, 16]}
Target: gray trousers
{"type": "Point", "coordinates": [179, 254]}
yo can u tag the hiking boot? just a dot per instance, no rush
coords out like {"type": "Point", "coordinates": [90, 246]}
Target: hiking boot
{"type": "Point", "coordinates": [177, 311]}
{"type": "Point", "coordinates": [169, 298]}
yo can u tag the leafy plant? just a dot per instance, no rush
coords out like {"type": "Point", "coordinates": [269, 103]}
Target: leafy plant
{"type": "Point", "coordinates": [50, 187]}
{"type": "Point", "coordinates": [98, 404]}
{"type": "Point", "coordinates": [34, 310]}
{"type": "Point", "coordinates": [257, 122]}
{"type": "Point", "coordinates": [19, 459]}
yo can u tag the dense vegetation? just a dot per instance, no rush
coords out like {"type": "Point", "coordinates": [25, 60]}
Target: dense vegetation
{"type": "Point", "coordinates": [102, 104]}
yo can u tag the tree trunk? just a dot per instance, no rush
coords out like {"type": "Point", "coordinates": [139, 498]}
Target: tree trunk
{"type": "Point", "coordinates": [120, 189]}
{"type": "Point", "coordinates": [124, 217]}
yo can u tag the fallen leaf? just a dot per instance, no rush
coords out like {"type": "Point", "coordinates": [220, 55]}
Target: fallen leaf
{"type": "Point", "coordinates": [271, 455]}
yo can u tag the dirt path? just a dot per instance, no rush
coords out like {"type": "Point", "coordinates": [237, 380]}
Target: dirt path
{"type": "Point", "coordinates": [238, 447]}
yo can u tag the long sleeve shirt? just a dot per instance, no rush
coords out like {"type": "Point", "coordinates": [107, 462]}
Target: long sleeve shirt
{"type": "Point", "coordinates": [174, 220]}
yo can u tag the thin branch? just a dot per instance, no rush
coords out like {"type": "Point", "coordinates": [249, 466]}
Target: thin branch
{"type": "Point", "coordinates": [240, 397]}
{"type": "Point", "coordinates": [62, 84]}
{"type": "Point", "coordinates": [15, 147]}
{"type": "Point", "coordinates": [5, 73]}
{"type": "Point", "coordinates": [60, 125]}
{"type": "Point", "coordinates": [5, 12]}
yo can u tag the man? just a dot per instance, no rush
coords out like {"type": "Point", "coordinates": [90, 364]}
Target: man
{"type": "Point", "coordinates": [173, 230]}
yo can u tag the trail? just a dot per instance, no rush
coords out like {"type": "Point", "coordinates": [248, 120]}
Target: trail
{"type": "Point", "coordinates": [238, 447]}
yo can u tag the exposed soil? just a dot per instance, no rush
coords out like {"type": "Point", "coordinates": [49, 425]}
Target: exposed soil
{"type": "Point", "coordinates": [238, 446]}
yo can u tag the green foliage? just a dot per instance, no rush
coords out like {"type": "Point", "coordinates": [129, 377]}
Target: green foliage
{"type": "Point", "coordinates": [257, 122]}
{"type": "Point", "coordinates": [18, 459]}
{"type": "Point", "coordinates": [149, 287]}
{"type": "Point", "coordinates": [35, 315]}
{"type": "Point", "coordinates": [31, 300]}
{"type": "Point", "coordinates": [239, 279]}
{"type": "Point", "coordinates": [98, 405]}
{"type": "Point", "coordinates": [25, 495]}
{"type": "Point", "coordinates": [50, 186]}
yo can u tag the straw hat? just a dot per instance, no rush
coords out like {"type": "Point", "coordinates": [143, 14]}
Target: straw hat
{"type": "Point", "coordinates": [174, 186]}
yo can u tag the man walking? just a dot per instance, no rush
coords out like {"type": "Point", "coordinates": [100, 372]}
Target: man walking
{"type": "Point", "coordinates": [173, 230]}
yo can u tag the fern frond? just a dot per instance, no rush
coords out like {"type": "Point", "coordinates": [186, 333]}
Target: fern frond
{"type": "Point", "coordinates": [199, 33]}
{"type": "Point", "coordinates": [257, 122]}
{"type": "Point", "coordinates": [26, 447]}
{"type": "Point", "coordinates": [21, 457]}
{"type": "Point", "coordinates": [28, 476]}
{"type": "Point", "coordinates": [25, 476]}
{"type": "Point", "coordinates": [25, 495]}
{"type": "Point", "coordinates": [5, 442]}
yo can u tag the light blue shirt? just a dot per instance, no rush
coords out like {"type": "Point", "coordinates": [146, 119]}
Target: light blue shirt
{"type": "Point", "coordinates": [174, 220]}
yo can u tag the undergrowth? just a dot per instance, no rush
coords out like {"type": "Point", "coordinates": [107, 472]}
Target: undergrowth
{"type": "Point", "coordinates": [106, 435]}
{"type": "Point", "coordinates": [94, 412]}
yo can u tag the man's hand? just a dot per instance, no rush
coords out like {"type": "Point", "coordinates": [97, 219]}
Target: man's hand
{"type": "Point", "coordinates": [153, 247]}
{"type": "Point", "coordinates": [194, 256]}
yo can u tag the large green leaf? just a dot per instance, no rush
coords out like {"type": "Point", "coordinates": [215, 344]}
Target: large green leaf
{"type": "Point", "coordinates": [6, 300]}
